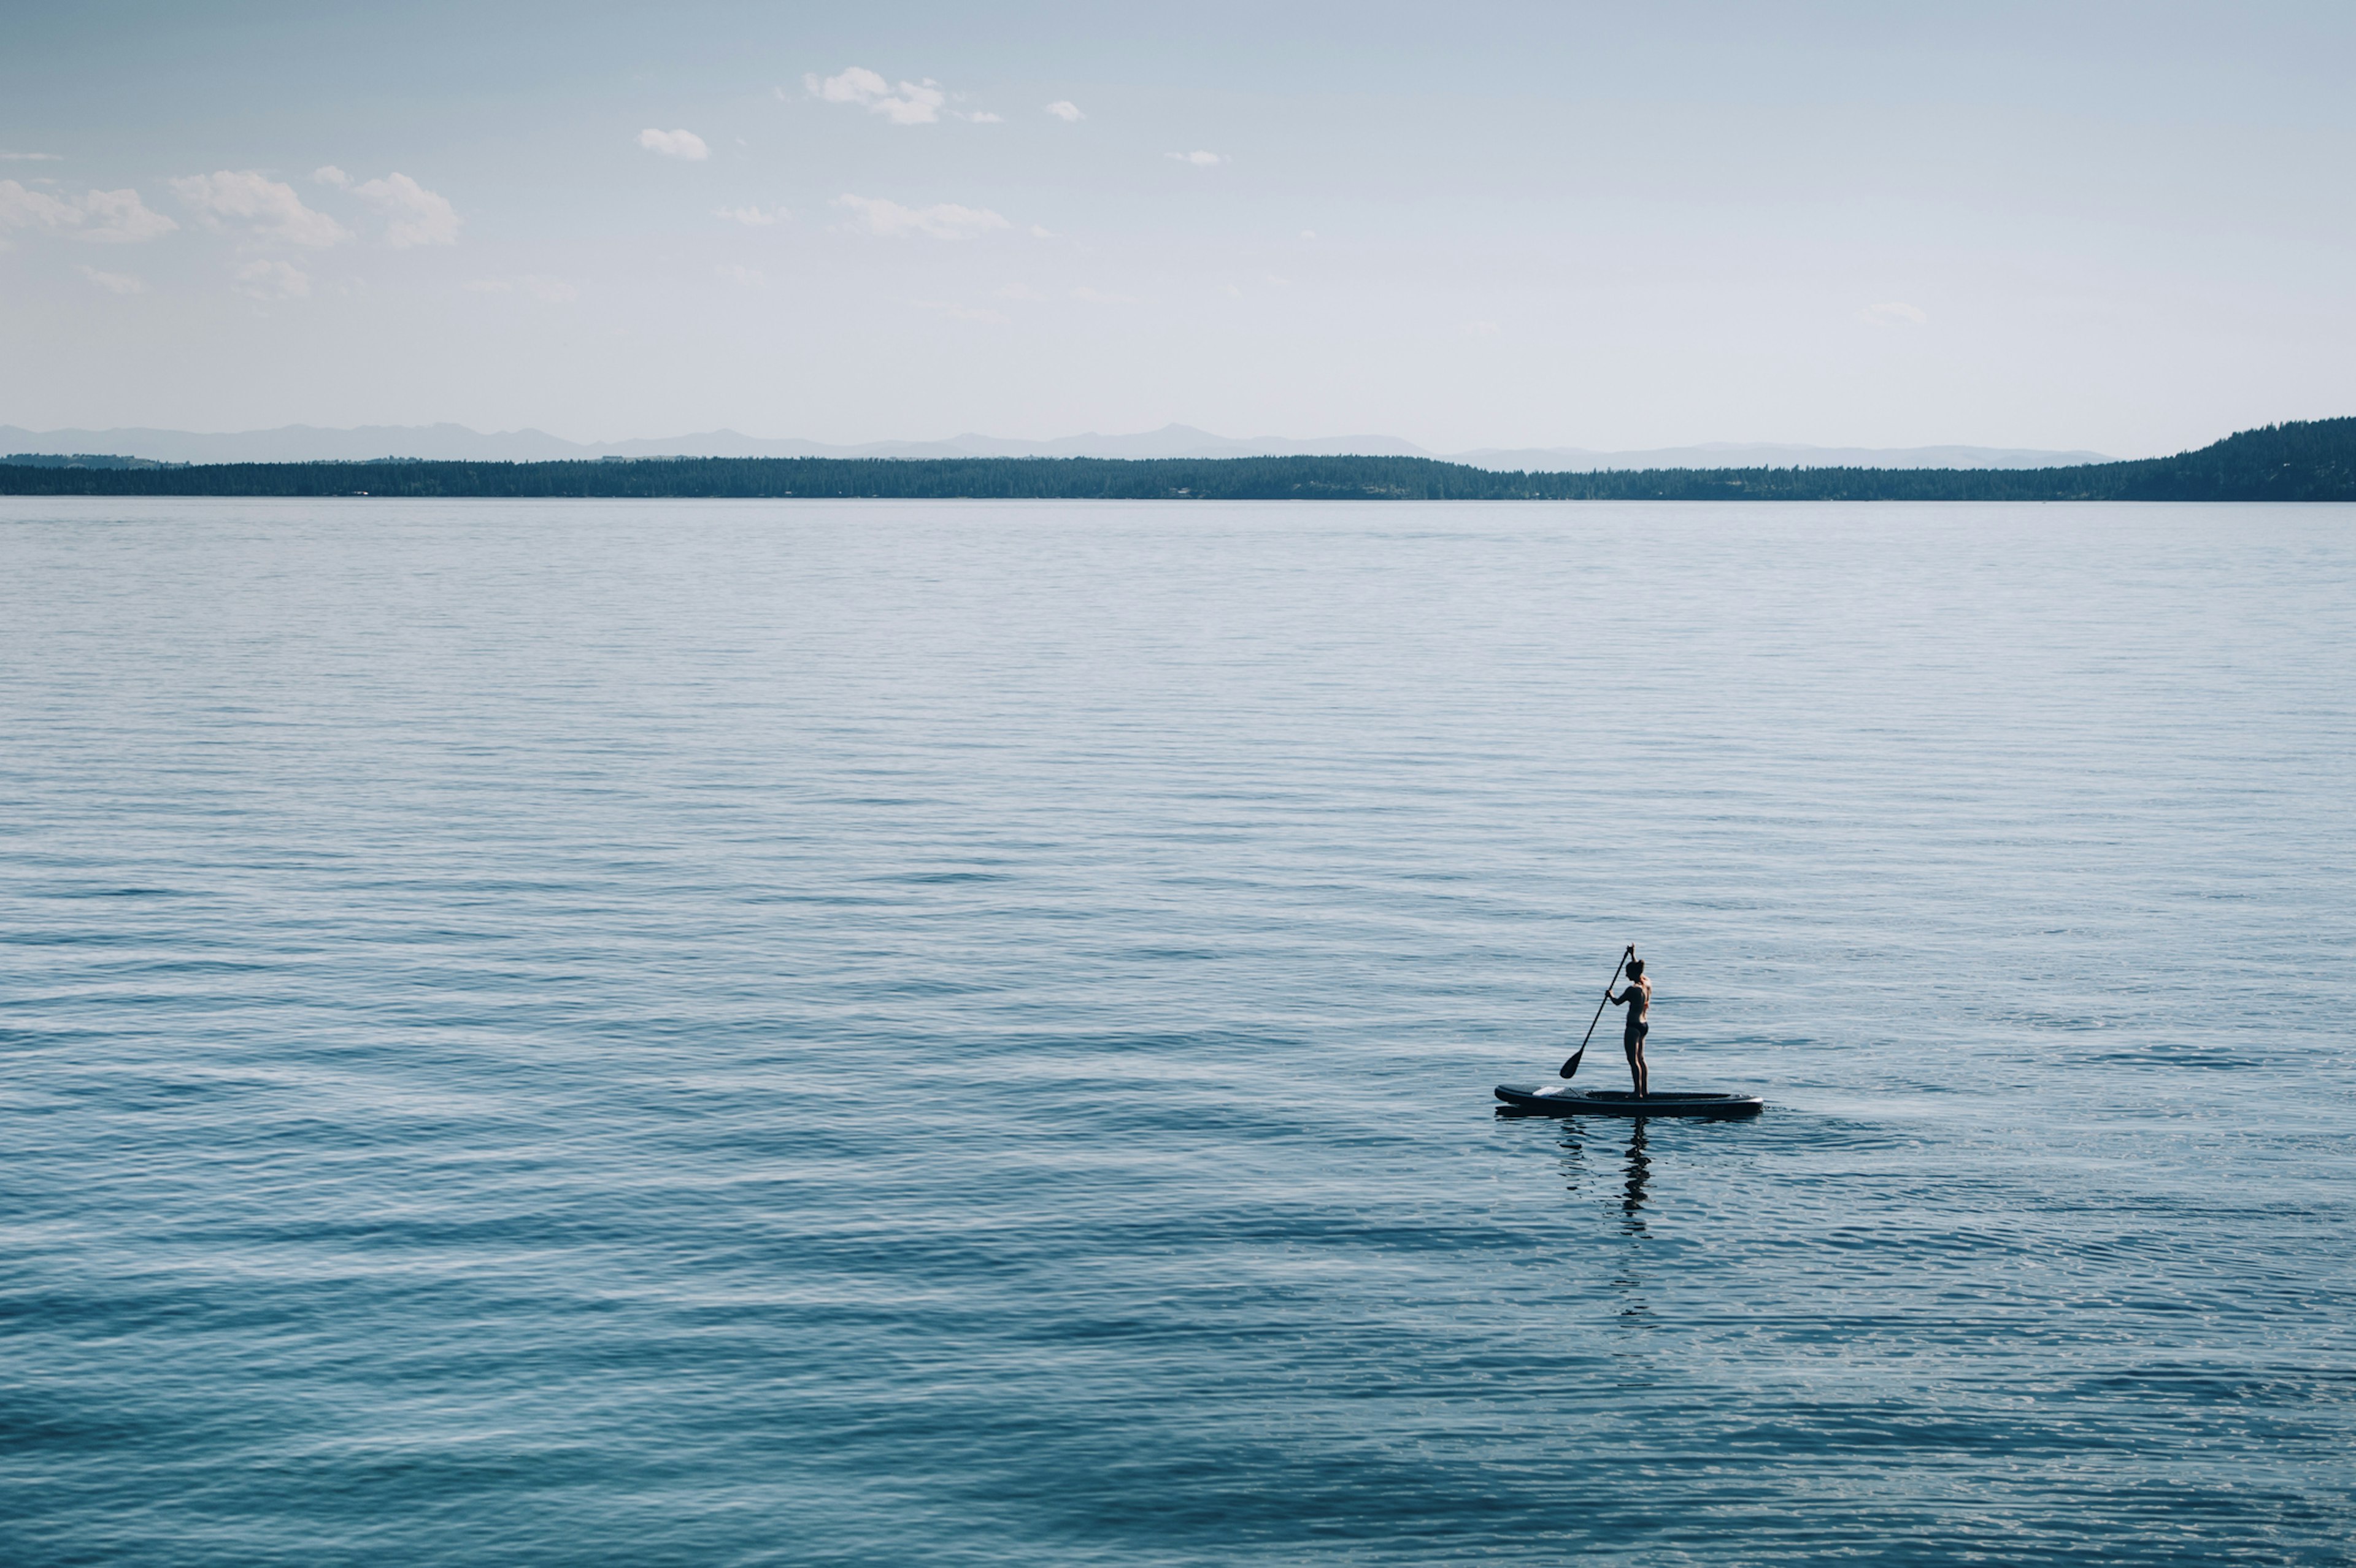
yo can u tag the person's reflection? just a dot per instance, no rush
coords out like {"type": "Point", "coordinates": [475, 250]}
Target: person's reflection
{"type": "Point", "coordinates": [1635, 1312]}
{"type": "Point", "coordinates": [1640, 1171]}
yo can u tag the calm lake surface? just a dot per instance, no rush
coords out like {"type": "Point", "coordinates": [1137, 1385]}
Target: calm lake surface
{"type": "Point", "coordinates": [805, 1032]}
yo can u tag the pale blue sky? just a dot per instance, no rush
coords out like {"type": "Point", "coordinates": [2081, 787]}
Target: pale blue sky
{"type": "Point", "coordinates": [2129, 227]}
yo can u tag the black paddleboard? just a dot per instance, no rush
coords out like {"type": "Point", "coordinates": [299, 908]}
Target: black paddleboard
{"type": "Point", "coordinates": [1562, 1100]}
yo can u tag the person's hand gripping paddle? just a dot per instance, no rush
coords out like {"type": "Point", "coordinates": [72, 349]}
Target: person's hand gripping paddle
{"type": "Point", "coordinates": [1571, 1067]}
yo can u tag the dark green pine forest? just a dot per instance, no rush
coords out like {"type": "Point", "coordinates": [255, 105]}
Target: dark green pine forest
{"type": "Point", "coordinates": [2310, 461]}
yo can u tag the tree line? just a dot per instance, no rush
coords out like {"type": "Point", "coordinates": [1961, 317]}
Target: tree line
{"type": "Point", "coordinates": [2307, 461]}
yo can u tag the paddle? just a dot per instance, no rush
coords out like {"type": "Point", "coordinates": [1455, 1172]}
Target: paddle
{"type": "Point", "coordinates": [1571, 1067]}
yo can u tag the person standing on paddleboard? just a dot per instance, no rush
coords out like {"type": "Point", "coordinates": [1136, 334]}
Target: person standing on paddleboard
{"type": "Point", "coordinates": [1638, 999]}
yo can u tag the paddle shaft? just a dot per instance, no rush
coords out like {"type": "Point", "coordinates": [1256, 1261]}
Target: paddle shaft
{"type": "Point", "coordinates": [1573, 1065]}
{"type": "Point", "coordinates": [1607, 994]}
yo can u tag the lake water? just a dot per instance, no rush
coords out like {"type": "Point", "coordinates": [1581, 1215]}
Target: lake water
{"type": "Point", "coordinates": [733, 1033]}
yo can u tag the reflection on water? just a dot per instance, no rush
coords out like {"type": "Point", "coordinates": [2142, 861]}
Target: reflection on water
{"type": "Point", "coordinates": [1574, 1157]}
{"type": "Point", "coordinates": [1628, 1282]}
{"type": "Point", "coordinates": [1635, 1312]}
{"type": "Point", "coordinates": [1640, 1171]}
{"type": "Point", "coordinates": [1636, 1172]}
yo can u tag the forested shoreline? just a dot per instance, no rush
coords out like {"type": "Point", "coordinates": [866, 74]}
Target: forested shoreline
{"type": "Point", "coordinates": [2307, 461]}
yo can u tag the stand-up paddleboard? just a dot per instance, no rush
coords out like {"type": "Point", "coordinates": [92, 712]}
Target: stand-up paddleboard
{"type": "Point", "coordinates": [1562, 1100]}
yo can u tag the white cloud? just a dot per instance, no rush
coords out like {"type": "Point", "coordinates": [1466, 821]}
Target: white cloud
{"type": "Point", "coordinates": [1481, 329]}
{"type": "Point", "coordinates": [1067, 110]}
{"type": "Point", "coordinates": [890, 221]}
{"type": "Point", "coordinates": [956, 312]}
{"type": "Point", "coordinates": [1894, 314]}
{"type": "Point", "coordinates": [114, 283]}
{"type": "Point", "coordinates": [744, 277]}
{"type": "Point", "coordinates": [1200, 159]}
{"type": "Point", "coordinates": [545, 289]}
{"type": "Point", "coordinates": [752, 217]}
{"type": "Point", "coordinates": [120, 217]}
{"type": "Point", "coordinates": [1309, 234]}
{"type": "Point", "coordinates": [327, 174]}
{"type": "Point", "coordinates": [1038, 232]}
{"type": "Point", "coordinates": [1097, 296]}
{"type": "Point", "coordinates": [981, 117]}
{"type": "Point", "coordinates": [272, 211]}
{"type": "Point", "coordinates": [109, 216]}
{"type": "Point", "coordinates": [916, 102]}
{"type": "Point", "coordinates": [274, 281]}
{"type": "Point", "coordinates": [32, 157]}
{"type": "Point", "coordinates": [684, 144]}
{"type": "Point", "coordinates": [855, 85]}
{"type": "Point", "coordinates": [413, 215]}
{"type": "Point", "coordinates": [23, 208]}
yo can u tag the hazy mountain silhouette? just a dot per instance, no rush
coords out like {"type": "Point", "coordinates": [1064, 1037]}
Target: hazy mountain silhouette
{"type": "Point", "coordinates": [453, 443]}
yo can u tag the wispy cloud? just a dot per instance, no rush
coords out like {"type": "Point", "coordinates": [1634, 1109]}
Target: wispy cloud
{"type": "Point", "coordinates": [742, 277]}
{"type": "Point", "coordinates": [1099, 297]}
{"type": "Point", "coordinates": [1067, 110]}
{"type": "Point", "coordinates": [107, 216]}
{"type": "Point", "coordinates": [752, 217]}
{"type": "Point", "coordinates": [1894, 314]}
{"type": "Point", "coordinates": [684, 144]}
{"type": "Point", "coordinates": [274, 281]}
{"type": "Point", "coordinates": [915, 102]}
{"type": "Point", "coordinates": [120, 217]}
{"type": "Point", "coordinates": [32, 157]}
{"type": "Point", "coordinates": [979, 117]}
{"type": "Point", "coordinates": [1481, 329]}
{"type": "Point", "coordinates": [413, 215]}
{"type": "Point", "coordinates": [114, 283]}
{"type": "Point", "coordinates": [890, 221]}
{"type": "Point", "coordinates": [23, 208]}
{"type": "Point", "coordinates": [1200, 159]}
{"type": "Point", "coordinates": [263, 208]}
{"type": "Point", "coordinates": [538, 286]}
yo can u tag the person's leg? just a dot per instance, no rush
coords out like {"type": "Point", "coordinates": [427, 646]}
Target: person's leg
{"type": "Point", "coordinates": [1636, 1063]}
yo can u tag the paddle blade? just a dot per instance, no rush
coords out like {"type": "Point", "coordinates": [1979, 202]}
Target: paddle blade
{"type": "Point", "coordinates": [1571, 1067]}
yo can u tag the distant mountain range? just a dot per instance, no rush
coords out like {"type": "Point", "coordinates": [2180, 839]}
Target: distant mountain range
{"type": "Point", "coordinates": [457, 444]}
